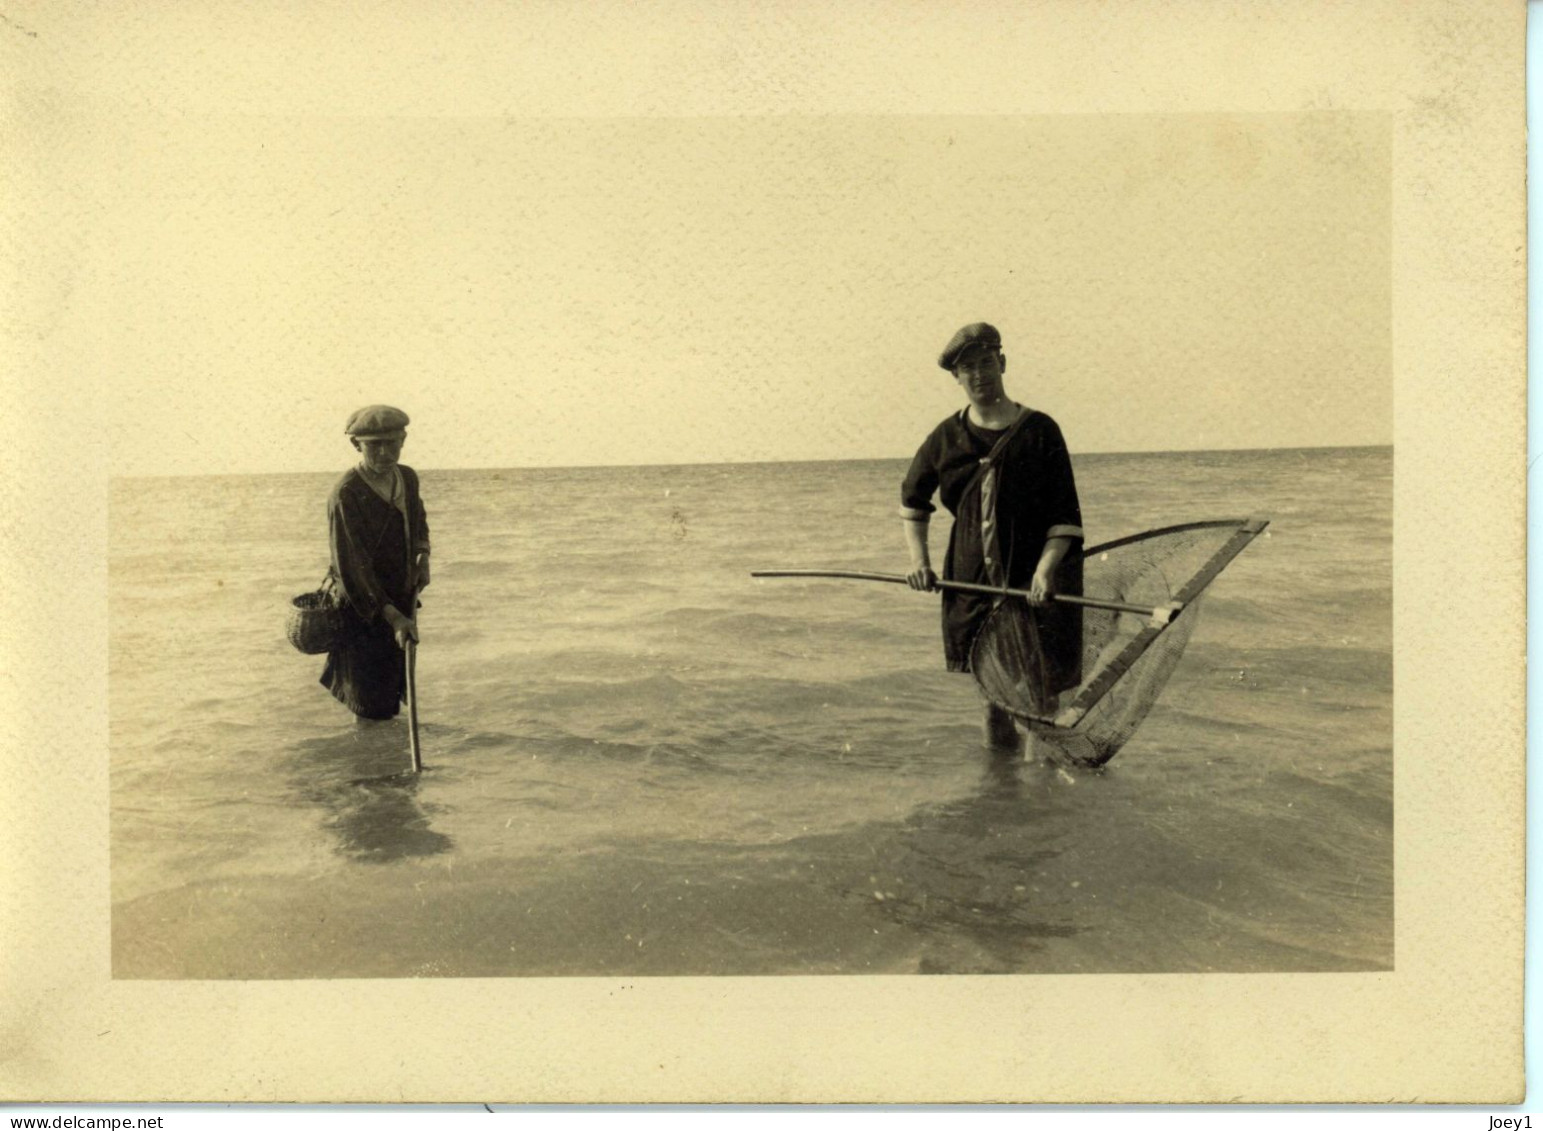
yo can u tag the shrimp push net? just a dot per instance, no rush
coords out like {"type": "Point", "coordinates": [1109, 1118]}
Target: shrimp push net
{"type": "Point", "coordinates": [1126, 657]}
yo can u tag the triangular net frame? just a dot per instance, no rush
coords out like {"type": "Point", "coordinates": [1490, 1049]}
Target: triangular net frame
{"type": "Point", "coordinates": [1126, 657]}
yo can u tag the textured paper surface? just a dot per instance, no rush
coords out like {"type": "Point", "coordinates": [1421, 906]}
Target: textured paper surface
{"type": "Point", "coordinates": [1445, 1025]}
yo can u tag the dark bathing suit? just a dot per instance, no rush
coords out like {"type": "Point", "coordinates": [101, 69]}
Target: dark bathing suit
{"type": "Point", "coordinates": [373, 543]}
{"type": "Point", "coordinates": [1035, 500]}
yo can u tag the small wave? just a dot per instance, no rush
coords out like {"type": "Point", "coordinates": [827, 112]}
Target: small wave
{"type": "Point", "coordinates": [1368, 671]}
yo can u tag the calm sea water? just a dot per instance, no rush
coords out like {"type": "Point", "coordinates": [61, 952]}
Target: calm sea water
{"type": "Point", "coordinates": [641, 761]}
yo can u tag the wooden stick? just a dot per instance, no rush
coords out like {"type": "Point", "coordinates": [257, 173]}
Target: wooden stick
{"type": "Point", "coordinates": [1161, 613]}
{"type": "Point", "coordinates": [412, 705]}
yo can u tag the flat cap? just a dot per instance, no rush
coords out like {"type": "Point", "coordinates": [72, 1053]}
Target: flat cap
{"type": "Point", "coordinates": [975, 334]}
{"type": "Point", "coordinates": [375, 420]}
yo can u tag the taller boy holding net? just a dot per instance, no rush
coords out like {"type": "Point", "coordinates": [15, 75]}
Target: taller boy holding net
{"type": "Point", "coordinates": [1003, 472]}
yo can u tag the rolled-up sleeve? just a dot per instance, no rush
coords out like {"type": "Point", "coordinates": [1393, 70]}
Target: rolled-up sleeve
{"type": "Point", "coordinates": [1058, 486]}
{"type": "Point", "coordinates": [420, 524]}
{"type": "Point", "coordinates": [920, 484]}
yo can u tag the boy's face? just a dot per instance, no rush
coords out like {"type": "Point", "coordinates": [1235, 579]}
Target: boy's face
{"type": "Point", "coordinates": [979, 372]}
{"type": "Point", "coordinates": [381, 452]}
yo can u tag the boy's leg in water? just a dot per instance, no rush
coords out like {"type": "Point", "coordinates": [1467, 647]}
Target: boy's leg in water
{"type": "Point", "coordinates": [1001, 731]}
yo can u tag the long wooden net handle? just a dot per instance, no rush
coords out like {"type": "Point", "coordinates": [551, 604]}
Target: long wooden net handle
{"type": "Point", "coordinates": [1160, 613]}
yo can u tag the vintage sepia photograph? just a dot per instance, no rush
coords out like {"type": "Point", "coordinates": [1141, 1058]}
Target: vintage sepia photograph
{"type": "Point", "coordinates": [874, 553]}
{"type": "Point", "coordinates": [545, 477]}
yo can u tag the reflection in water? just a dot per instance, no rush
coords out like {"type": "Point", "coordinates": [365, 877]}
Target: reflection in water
{"type": "Point", "coordinates": [967, 874]}
{"type": "Point", "coordinates": [370, 799]}
{"type": "Point", "coordinates": [1003, 780]}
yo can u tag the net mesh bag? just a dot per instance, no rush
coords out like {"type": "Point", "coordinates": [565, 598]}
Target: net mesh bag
{"type": "Point", "coordinates": [1127, 657]}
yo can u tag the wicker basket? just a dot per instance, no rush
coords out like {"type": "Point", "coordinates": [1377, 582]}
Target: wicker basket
{"type": "Point", "coordinates": [317, 621]}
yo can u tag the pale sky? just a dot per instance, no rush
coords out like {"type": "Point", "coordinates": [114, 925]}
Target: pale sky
{"type": "Point", "coordinates": [560, 291]}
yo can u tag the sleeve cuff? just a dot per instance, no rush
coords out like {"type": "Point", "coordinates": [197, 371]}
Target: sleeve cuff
{"type": "Point", "coordinates": [916, 514]}
{"type": "Point", "coordinates": [1064, 531]}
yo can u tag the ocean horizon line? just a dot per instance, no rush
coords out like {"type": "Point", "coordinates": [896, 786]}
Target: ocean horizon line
{"type": "Point", "coordinates": [338, 470]}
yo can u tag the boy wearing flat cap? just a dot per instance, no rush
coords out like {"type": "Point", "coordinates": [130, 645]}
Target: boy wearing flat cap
{"type": "Point", "coordinates": [380, 558]}
{"type": "Point", "coordinates": [1003, 472]}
